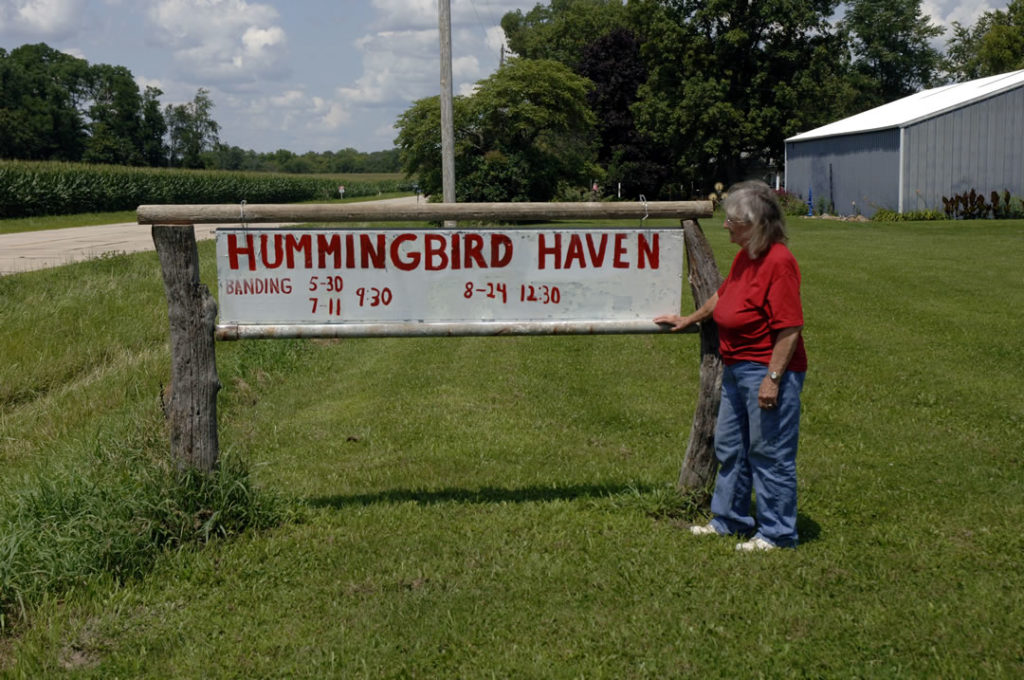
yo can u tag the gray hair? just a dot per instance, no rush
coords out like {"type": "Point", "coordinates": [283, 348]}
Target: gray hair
{"type": "Point", "coordinates": [755, 203]}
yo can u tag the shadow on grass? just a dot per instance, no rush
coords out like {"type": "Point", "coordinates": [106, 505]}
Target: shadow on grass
{"type": "Point", "coordinates": [488, 494]}
{"type": "Point", "coordinates": [807, 528]}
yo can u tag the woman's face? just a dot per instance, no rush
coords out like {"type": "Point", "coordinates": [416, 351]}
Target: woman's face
{"type": "Point", "coordinates": [739, 231]}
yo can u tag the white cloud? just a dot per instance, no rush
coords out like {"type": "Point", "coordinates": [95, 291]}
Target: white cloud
{"type": "Point", "coordinates": [144, 82]}
{"type": "Point", "coordinates": [397, 67]}
{"type": "Point", "coordinates": [945, 12]}
{"type": "Point", "coordinates": [41, 19]}
{"type": "Point", "coordinates": [406, 15]}
{"type": "Point", "coordinates": [401, 60]}
{"type": "Point", "coordinates": [401, 56]}
{"type": "Point", "coordinates": [223, 41]}
{"type": "Point", "coordinates": [332, 115]}
{"type": "Point", "coordinates": [418, 14]}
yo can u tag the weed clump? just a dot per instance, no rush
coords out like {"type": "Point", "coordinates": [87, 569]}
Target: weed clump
{"type": "Point", "coordinates": [63, 531]}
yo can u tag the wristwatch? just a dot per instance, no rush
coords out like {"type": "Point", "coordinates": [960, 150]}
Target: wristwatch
{"type": "Point", "coordinates": [774, 376]}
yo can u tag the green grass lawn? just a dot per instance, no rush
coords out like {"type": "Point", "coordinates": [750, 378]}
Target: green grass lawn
{"type": "Point", "coordinates": [478, 507]}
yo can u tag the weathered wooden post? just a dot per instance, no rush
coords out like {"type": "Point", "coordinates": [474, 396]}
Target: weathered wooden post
{"type": "Point", "coordinates": [699, 463]}
{"type": "Point", "coordinates": [191, 410]}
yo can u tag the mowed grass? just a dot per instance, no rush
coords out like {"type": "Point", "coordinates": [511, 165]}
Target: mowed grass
{"type": "Point", "coordinates": [503, 507]}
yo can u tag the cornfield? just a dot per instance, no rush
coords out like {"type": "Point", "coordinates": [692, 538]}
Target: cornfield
{"type": "Point", "coordinates": [29, 189]}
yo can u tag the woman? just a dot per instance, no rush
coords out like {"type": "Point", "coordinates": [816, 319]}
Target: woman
{"type": "Point", "coordinates": [760, 318]}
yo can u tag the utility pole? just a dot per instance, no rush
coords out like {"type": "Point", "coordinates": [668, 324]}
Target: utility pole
{"type": "Point", "coordinates": [447, 117]}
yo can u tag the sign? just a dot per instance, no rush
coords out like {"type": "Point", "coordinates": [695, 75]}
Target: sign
{"type": "Point", "coordinates": [362, 276]}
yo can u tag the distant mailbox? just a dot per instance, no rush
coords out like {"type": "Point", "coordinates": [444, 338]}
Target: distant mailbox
{"type": "Point", "coordinates": [336, 277]}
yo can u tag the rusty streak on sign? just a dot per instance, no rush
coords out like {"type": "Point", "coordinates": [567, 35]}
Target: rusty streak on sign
{"type": "Point", "coordinates": [384, 282]}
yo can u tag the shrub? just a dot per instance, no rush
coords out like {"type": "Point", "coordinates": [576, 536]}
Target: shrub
{"type": "Point", "coordinates": [114, 520]}
{"type": "Point", "coordinates": [971, 205]}
{"type": "Point", "coordinates": [792, 205]}
{"type": "Point", "coordinates": [910, 216]}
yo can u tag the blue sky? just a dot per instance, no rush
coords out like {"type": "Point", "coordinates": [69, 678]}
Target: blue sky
{"type": "Point", "coordinates": [303, 75]}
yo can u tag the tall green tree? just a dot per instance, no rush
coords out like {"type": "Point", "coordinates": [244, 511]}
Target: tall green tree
{"type": "Point", "coordinates": [115, 127]}
{"type": "Point", "coordinates": [154, 128]}
{"type": "Point", "coordinates": [192, 130]}
{"type": "Point", "coordinates": [891, 47]}
{"type": "Point", "coordinates": [524, 135]}
{"type": "Point", "coordinates": [994, 45]}
{"type": "Point", "coordinates": [42, 91]}
{"type": "Point", "coordinates": [634, 163]}
{"type": "Point", "coordinates": [729, 80]}
{"type": "Point", "coordinates": [562, 28]}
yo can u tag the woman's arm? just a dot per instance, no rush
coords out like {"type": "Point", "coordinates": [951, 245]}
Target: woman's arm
{"type": "Point", "coordinates": [782, 353]}
{"type": "Point", "coordinates": [678, 323]}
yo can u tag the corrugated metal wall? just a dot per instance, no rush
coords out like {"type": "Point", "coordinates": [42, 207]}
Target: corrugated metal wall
{"type": "Point", "coordinates": [980, 146]}
{"type": "Point", "coordinates": [856, 173]}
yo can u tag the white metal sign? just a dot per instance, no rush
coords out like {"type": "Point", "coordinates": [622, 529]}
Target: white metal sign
{"type": "Point", "coordinates": [362, 276]}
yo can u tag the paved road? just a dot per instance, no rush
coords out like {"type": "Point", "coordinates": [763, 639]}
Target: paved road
{"type": "Point", "coordinates": [32, 250]}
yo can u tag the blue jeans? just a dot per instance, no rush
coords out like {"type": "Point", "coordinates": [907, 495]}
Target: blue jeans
{"type": "Point", "coordinates": [756, 450]}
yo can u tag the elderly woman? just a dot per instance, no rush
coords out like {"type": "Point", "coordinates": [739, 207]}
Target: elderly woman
{"type": "Point", "coordinates": [759, 317]}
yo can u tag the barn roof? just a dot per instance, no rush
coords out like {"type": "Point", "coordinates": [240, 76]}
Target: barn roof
{"type": "Point", "coordinates": [917, 107]}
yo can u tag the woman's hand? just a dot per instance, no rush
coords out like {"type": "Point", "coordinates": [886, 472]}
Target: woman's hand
{"type": "Point", "coordinates": [768, 394]}
{"type": "Point", "coordinates": [677, 322]}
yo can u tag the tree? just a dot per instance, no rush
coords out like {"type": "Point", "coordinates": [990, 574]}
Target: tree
{"type": "Point", "coordinates": [192, 130]}
{"type": "Point", "coordinates": [994, 45]}
{"type": "Point", "coordinates": [524, 135]}
{"type": "Point", "coordinates": [632, 160]}
{"type": "Point", "coordinates": [41, 93]}
{"type": "Point", "coordinates": [115, 125]}
{"type": "Point", "coordinates": [890, 43]}
{"type": "Point", "coordinates": [153, 129]}
{"type": "Point", "coordinates": [562, 29]}
{"type": "Point", "coordinates": [729, 80]}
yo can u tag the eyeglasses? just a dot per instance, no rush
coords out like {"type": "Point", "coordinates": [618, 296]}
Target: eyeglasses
{"type": "Point", "coordinates": [733, 223]}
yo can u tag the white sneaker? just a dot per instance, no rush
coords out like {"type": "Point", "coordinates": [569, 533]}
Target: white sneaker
{"type": "Point", "coordinates": [705, 530]}
{"type": "Point", "coordinates": [756, 543]}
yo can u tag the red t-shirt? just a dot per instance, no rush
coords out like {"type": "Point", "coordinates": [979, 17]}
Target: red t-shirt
{"type": "Point", "coordinates": [758, 299]}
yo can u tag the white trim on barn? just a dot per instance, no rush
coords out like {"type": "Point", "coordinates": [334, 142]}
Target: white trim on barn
{"type": "Point", "coordinates": [907, 154]}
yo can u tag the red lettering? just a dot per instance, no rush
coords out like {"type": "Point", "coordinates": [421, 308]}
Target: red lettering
{"type": "Point", "coordinates": [370, 255]}
{"type": "Point", "coordinates": [620, 252]}
{"type": "Point", "coordinates": [328, 246]}
{"type": "Point", "coordinates": [554, 251]}
{"type": "Point", "coordinates": [435, 256]}
{"type": "Point", "coordinates": [234, 251]}
{"type": "Point", "coordinates": [302, 243]}
{"type": "Point", "coordinates": [575, 252]}
{"type": "Point", "coordinates": [456, 251]}
{"type": "Point", "coordinates": [278, 251]}
{"type": "Point", "coordinates": [414, 257]}
{"type": "Point", "coordinates": [649, 252]}
{"type": "Point", "coordinates": [501, 250]}
{"type": "Point", "coordinates": [474, 251]}
{"type": "Point", "coordinates": [259, 287]}
{"type": "Point", "coordinates": [597, 255]}
{"type": "Point", "coordinates": [350, 251]}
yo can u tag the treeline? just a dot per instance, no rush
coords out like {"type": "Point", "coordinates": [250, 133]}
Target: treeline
{"type": "Point", "coordinates": [57, 107]}
{"type": "Point", "coordinates": [666, 98]}
{"type": "Point", "coordinates": [223, 157]}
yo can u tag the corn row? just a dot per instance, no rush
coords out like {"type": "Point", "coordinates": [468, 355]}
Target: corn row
{"type": "Point", "coordinates": [29, 189]}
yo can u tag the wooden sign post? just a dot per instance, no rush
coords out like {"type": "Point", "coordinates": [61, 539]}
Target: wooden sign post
{"type": "Point", "coordinates": [347, 283]}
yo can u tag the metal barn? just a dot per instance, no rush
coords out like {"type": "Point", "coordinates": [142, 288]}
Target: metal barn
{"type": "Point", "coordinates": [908, 154]}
